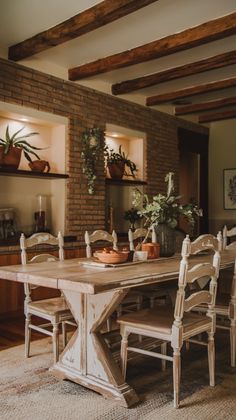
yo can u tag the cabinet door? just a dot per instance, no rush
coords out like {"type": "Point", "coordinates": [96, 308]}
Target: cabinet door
{"type": "Point", "coordinates": [11, 293]}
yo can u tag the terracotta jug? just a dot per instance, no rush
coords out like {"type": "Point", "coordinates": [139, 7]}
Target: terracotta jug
{"type": "Point", "coordinates": [39, 166]}
{"type": "Point", "coordinates": [153, 249]}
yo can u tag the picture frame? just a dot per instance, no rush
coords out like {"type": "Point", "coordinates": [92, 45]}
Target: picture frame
{"type": "Point", "coordinates": [229, 190]}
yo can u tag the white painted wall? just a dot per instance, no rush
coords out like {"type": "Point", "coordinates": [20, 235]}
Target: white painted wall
{"type": "Point", "coordinates": [222, 155]}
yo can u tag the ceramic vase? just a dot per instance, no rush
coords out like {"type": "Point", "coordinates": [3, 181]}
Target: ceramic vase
{"type": "Point", "coordinates": [166, 239]}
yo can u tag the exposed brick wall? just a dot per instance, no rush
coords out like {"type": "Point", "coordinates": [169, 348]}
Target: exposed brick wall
{"type": "Point", "coordinates": [86, 108]}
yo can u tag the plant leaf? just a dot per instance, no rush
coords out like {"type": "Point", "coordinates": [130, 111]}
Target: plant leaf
{"type": "Point", "coordinates": [22, 143]}
{"type": "Point", "coordinates": [33, 153]}
{"type": "Point", "coordinates": [27, 156]}
{"type": "Point", "coordinates": [16, 139]}
{"type": "Point", "coordinates": [15, 134]}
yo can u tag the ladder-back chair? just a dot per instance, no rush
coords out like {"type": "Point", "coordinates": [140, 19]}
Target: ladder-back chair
{"type": "Point", "coordinates": [176, 326]}
{"type": "Point", "coordinates": [54, 310]}
{"type": "Point", "coordinates": [104, 237]}
{"type": "Point", "coordinates": [99, 235]}
{"type": "Point", "coordinates": [140, 233]}
{"type": "Point", "coordinates": [132, 299]}
{"type": "Point", "coordinates": [152, 293]}
{"type": "Point", "coordinates": [225, 307]}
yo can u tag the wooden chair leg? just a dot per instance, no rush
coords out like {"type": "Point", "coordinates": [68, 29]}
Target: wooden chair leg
{"type": "Point", "coordinates": [123, 352]}
{"type": "Point", "coordinates": [176, 376]}
{"type": "Point", "coordinates": [233, 343]}
{"type": "Point", "coordinates": [139, 303]}
{"type": "Point", "coordinates": [55, 341]}
{"type": "Point", "coordinates": [27, 335]}
{"type": "Point", "coordinates": [163, 351]}
{"type": "Point", "coordinates": [152, 302]}
{"type": "Point", "coordinates": [211, 358]}
{"type": "Point", "coordinates": [109, 323]}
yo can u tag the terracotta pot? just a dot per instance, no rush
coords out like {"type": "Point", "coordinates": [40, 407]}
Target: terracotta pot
{"type": "Point", "coordinates": [153, 249]}
{"type": "Point", "coordinates": [39, 166]}
{"type": "Point", "coordinates": [116, 170]}
{"type": "Point", "coordinates": [12, 159]}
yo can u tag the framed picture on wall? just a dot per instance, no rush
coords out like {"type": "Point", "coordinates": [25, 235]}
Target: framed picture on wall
{"type": "Point", "coordinates": [229, 179]}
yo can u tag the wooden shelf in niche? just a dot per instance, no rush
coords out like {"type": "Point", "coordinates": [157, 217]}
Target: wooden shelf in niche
{"type": "Point", "coordinates": [29, 174]}
{"type": "Point", "coordinates": [110, 181]}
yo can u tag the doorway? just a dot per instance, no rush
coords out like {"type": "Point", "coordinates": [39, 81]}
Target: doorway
{"type": "Point", "coordinates": [193, 175]}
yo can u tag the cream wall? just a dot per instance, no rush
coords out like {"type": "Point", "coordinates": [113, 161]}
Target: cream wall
{"type": "Point", "coordinates": [222, 155]}
{"type": "Point", "coordinates": [20, 193]}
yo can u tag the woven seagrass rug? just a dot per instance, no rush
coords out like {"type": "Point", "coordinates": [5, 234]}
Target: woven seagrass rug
{"type": "Point", "coordinates": [29, 391]}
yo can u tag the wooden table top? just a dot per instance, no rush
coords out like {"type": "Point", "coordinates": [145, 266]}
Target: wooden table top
{"type": "Point", "coordinates": [74, 274]}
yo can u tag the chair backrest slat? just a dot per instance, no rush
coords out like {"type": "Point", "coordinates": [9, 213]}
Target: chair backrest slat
{"type": "Point", "coordinates": [200, 270]}
{"type": "Point", "coordinates": [196, 299]}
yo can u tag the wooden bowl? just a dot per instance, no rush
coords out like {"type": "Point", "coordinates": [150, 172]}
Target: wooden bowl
{"type": "Point", "coordinates": [112, 258]}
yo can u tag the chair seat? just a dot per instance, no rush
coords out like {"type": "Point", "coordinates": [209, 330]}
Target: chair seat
{"type": "Point", "coordinates": [53, 306]}
{"type": "Point", "coordinates": [161, 320]}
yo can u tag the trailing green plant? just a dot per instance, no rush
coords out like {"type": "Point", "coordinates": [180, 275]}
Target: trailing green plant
{"type": "Point", "coordinates": [116, 157]}
{"type": "Point", "coordinates": [92, 143]}
{"type": "Point", "coordinates": [164, 208]}
{"type": "Point", "coordinates": [15, 140]}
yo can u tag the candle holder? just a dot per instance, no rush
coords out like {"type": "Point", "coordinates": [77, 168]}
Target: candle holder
{"type": "Point", "coordinates": [40, 215]}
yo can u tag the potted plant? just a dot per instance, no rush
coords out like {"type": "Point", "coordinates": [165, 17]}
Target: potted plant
{"type": "Point", "coordinates": [117, 162]}
{"type": "Point", "coordinates": [132, 215]}
{"type": "Point", "coordinates": [11, 148]}
{"type": "Point", "coordinates": [163, 212]}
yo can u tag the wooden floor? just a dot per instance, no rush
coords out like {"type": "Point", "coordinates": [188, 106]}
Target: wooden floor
{"type": "Point", "coordinates": [12, 333]}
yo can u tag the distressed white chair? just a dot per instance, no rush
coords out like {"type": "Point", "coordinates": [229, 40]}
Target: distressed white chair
{"type": "Point", "coordinates": [99, 235]}
{"type": "Point", "coordinates": [133, 300]}
{"type": "Point", "coordinates": [103, 237]}
{"type": "Point", "coordinates": [153, 293]}
{"type": "Point", "coordinates": [225, 307]}
{"type": "Point", "coordinates": [54, 310]}
{"type": "Point", "coordinates": [181, 324]}
{"type": "Point", "coordinates": [140, 233]}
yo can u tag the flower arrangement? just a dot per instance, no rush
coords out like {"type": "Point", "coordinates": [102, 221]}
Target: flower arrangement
{"type": "Point", "coordinates": [92, 143]}
{"type": "Point", "coordinates": [164, 209]}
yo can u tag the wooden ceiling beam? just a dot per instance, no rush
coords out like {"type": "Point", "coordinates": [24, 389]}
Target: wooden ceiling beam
{"type": "Point", "coordinates": [218, 116]}
{"type": "Point", "coordinates": [191, 91]}
{"type": "Point", "coordinates": [205, 106]}
{"type": "Point", "coordinates": [95, 17]}
{"type": "Point", "coordinates": [189, 38]}
{"type": "Point", "coordinates": [211, 63]}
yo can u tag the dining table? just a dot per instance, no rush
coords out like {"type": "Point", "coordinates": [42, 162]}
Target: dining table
{"type": "Point", "coordinates": [93, 291]}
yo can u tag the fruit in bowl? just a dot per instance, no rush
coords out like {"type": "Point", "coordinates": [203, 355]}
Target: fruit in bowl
{"type": "Point", "coordinates": [111, 256]}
